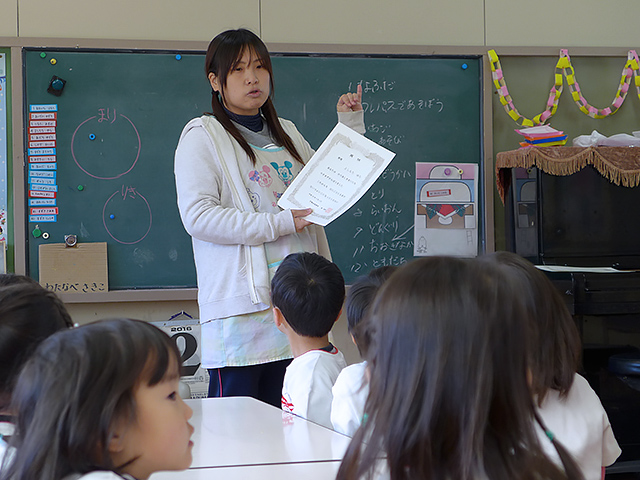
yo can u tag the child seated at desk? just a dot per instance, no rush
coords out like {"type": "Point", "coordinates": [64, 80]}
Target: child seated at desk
{"type": "Point", "coordinates": [449, 396]}
{"type": "Point", "coordinates": [28, 315]}
{"type": "Point", "coordinates": [569, 408]}
{"type": "Point", "coordinates": [100, 402]}
{"type": "Point", "coordinates": [352, 386]}
{"type": "Point", "coordinates": [307, 292]}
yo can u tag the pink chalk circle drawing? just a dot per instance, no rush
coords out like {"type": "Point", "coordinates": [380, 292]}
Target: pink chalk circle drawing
{"type": "Point", "coordinates": [126, 216]}
{"type": "Point", "coordinates": [106, 146]}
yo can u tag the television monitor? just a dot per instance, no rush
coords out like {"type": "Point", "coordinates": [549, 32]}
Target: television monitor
{"type": "Point", "coordinates": [584, 220]}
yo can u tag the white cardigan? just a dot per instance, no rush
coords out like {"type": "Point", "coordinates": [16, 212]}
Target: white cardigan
{"type": "Point", "coordinates": [227, 233]}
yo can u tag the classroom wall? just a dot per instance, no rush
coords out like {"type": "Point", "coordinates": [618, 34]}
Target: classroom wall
{"type": "Point", "coordinates": [471, 26]}
{"type": "Point", "coordinates": [585, 23]}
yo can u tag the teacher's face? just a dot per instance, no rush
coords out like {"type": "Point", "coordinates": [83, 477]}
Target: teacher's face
{"type": "Point", "coordinates": [247, 87]}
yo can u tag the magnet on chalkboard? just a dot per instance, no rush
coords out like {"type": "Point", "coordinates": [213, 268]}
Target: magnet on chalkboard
{"type": "Point", "coordinates": [70, 240]}
{"type": "Point", "coordinates": [56, 85]}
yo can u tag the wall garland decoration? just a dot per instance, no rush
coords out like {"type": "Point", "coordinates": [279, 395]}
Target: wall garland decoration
{"type": "Point", "coordinates": [564, 68]}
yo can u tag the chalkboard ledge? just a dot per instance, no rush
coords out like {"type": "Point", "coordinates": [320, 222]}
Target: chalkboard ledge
{"type": "Point", "coordinates": [152, 295]}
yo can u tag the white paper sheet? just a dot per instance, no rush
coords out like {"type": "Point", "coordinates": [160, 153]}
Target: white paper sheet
{"type": "Point", "coordinates": [337, 176]}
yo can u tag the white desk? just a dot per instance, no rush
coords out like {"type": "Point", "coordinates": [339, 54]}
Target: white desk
{"type": "Point", "coordinates": [244, 437]}
{"type": "Point", "coordinates": [285, 471]}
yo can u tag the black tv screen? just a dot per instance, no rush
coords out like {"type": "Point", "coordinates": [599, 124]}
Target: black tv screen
{"type": "Point", "coordinates": [585, 220]}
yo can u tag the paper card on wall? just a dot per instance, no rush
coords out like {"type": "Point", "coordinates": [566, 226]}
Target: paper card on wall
{"type": "Point", "coordinates": [81, 269]}
{"type": "Point", "coordinates": [4, 234]}
{"type": "Point", "coordinates": [339, 173]}
{"type": "Point", "coordinates": [186, 334]}
{"type": "Point", "coordinates": [446, 209]}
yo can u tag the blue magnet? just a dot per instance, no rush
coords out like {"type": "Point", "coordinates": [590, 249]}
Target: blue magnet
{"type": "Point", "coordinates": [464, 66]}
{"type": "Point", "coordinates": [92, 137]}
{"type": "Point", "coordinates": [178, 57]}
{"type": "Point", "coordinates": [112, 216]}
{"type": "Point", "coordinates": [56, 85]}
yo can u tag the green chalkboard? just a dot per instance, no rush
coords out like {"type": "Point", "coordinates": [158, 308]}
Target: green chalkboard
{"type": "Point", "coordinates": [120, 114]}
{"type": "Point", "coordinates": [119, 118]}
{"type": "Point", "coordinates": [423, 108]}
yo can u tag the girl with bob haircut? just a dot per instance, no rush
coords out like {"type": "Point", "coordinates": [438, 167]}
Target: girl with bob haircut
{"type": "Point", "coordinates": [449, 397]}
{"type": "Point", "coordinates": [566, 403]}
{"type": "Point", "coordinates": [231, 167]}
{"type": "Point", "coordinates": [100, 402]}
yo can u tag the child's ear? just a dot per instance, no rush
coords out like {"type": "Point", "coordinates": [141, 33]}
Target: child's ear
{"type": "Point", "coordinates": [353, 339]}
{"type": "Point", "coordinates": [213, 80]}
{"type": "Point", "coordinates": [115, 444]}
{"type": "Point", "coordinates": [278, 319]}
{"type": "Point", "coordinates": [339, 315]}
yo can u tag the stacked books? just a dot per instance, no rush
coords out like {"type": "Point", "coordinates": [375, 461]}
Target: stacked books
{"type": "Point", "coordinates": [542, 136]}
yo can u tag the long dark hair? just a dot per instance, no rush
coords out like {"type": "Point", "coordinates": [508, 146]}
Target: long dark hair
{"type": "Point", "coordinates": [28, 314]}
{"type": "Point", "coordinates": [553, 336]}
{"type": "Point", "coordinates": [75, 388]}
{"type": "Point", "coordinates": [223, 54]}
{"type": "Point", "coordinates": [448, 394]}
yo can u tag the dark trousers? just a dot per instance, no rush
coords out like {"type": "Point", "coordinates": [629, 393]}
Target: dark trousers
{"type": "Point", "coordinates": [263, 381]}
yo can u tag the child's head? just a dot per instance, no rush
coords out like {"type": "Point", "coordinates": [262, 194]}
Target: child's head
{"type": "Point", "coordinates": [448, 393]}
{"type": "Point", "coordinates": [359, 298]}
{"type": "Point", "coordinates": [15, 278]}
{"type": "Point", "coordinates": [309, 291]}
{"type": "Point", "coordinates": [240, 89]}
{"type": "Point", "coordinates": [553, 336]}
{"type": "Point", "coordinates": [103, 396]}
{"type": "Point", "coordinates": [28, 314]}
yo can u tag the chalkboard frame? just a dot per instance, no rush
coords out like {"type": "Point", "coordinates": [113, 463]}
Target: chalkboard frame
{"type": "Point", "coordinates": [17, 45]}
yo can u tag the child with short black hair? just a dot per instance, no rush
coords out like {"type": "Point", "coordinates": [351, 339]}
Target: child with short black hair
{"type": "Point", "coordinates": [307, 293]}
{"type": "Point", "coordinates": [28, 314]}
{"type": "Point", "coordinates": [352, 386]}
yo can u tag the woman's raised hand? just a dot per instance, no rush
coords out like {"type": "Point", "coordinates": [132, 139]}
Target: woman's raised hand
{"type": "Point", "coordinates": [351, 102]}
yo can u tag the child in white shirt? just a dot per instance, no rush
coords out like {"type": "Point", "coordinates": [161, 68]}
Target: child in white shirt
{"type": "Point", "coordinates": [351, 389]}
{"type": "Point", "coordinates": [307, 292]}
{"type": "Point", "coordinates": [568, 410]}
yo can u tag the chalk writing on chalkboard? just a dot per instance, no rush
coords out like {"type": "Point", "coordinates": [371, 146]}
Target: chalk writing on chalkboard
{"type": "Point", "coordinates": [127, 216]}
{"type": "Point", "coordinates": [97, 142]}
{"type": "Point", "coordinates": [385, 227]}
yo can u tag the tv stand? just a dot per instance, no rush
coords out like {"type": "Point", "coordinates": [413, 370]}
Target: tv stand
{"type": "Point", "coordinates": [572, 206]}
